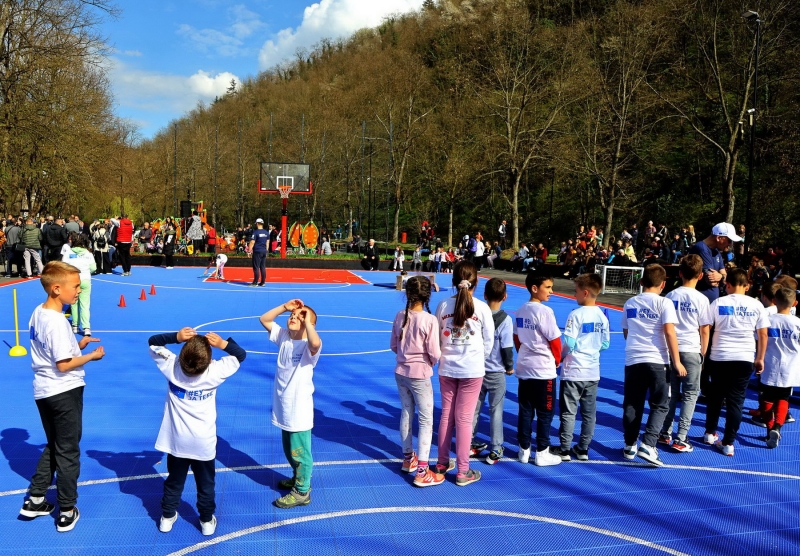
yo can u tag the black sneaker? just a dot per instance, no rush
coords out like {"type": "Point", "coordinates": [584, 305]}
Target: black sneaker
{"type": "Point", "coordinates": [67, 523]}
{"type": "Point", "coordinates": [580, 455]}
{"type": "Point", "coordinates": [758, 421]}
{"type": "Point", "coordinates": [29, 509]}
{"type": "Point", "coordinates": [561, 452]}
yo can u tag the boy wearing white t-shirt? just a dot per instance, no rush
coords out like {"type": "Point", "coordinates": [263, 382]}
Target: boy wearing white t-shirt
{"type": "Point", "coordinates": [781, 365]}
{"type": "Point", "coordinates": [538, 342]}
{"type": "Point", "coordinates": [188, 432]}
{"type": "Point", "coordinates": [58, 390]}
{"type": "Point", "coordinates": [648, 324]}
{"type": "Point", "coordinates": [737, 320]}
{"type": "Point", "coordinates": [586, 334]}
{"type": "Point", "coordinates": [693, 330]}
{"type": "Point", "coordinates": [299, 348]}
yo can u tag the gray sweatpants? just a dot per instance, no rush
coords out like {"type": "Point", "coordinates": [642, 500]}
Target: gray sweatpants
{"type": "Point", "coordinates": [416, 393]}
{"type": "Point", "coordinates": [494, 384]}
{"type": "Point", "coordinates": [684, 388]}
{"type": "Point", "coordinates": [574, 392]}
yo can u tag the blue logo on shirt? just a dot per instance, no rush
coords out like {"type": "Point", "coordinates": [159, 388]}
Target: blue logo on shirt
{"type": "Point", "coordinates": [784, 333]}
{"type": "Point", "coordinates": [177, 391]}
{"type": "Point", "coordinates": [189, 395]}
{"type": "Point", "coordinates": [526, 324]}
{"type": "Point", "coordinates": [589, 327]}
{"type": "Point", "coordinates": [630, 313]}
{"type": "Point", "coordinates": [643, 313]}
{"type": "Point", "coordinates": [727, 310]}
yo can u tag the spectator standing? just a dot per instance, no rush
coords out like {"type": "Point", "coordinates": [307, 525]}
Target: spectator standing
{"type": "Point", "coordinates": [371, 258]}
{"type": "Point", "coordinates": [146, 239]}
{"type": "Point", "coordinates": [55, 238]}
{"type": "Point", "coordinates": [124, 241]}
{"type": "Point", "coordinates": [634, 236]}
{"type": "Point", "coordinates": [502, 232]}
{"type": "Point", "coordinates": [195, 233]}
{"type": "Point", "coordinates": [73, 226]}
{"type": "Point", "coordinates": [13, 233]}
{"type": "Point", "coordinates": [211, 238]}
{"type": "Point", "coordinates": [32, 239]}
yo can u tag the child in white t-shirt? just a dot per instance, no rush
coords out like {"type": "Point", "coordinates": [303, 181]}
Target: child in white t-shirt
{"type": "Point", "coordinates": [538, 342]}
{"type": "Point", "coordinates": [781, 364]}
{"type": "Point", "coordinates": [299, 348]}
{"type": "Point", "coordinates": [415, 340]}
{"type": "Point", "coordinates": [648, 324]}
{"type": "Point", "coordinates": [188, 432]}
{"type": "Point", "coordinates": [218, 262]}
{"type": "Point", "coordinates": [81, 258]}
{"type": "Point", "coordinates": [586, 334]}
{"type": "Point", "coordinates": [768, 301]}
{"type": "Point", "coordinates": [466, 337]}
{"type": "Point", "coordinates": [499, 364]}
{"type": "Point", "coordinates": [693, 330]}
{"type": "Point", "coordinates": [738, 320]}
{"type": "Point", "coordinates": [58, 390]}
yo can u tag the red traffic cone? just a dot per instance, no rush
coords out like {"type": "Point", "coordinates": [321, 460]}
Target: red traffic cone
{"type": "Point", "coordinates": [143, 297]}
{"type": "Point", "coordinates": [152, 289]}
{"type": "Point", "coordinates": [122, 301]}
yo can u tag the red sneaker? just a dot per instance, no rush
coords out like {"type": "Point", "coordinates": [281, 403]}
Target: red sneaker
{"type": "Point", "coordinates": [428, 478]}
{"type": "Point", "coordinates": [410, 463]}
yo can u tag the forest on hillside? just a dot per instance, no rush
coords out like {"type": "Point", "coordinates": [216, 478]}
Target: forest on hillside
{"type": "Point", "coordinates": [545, 113]}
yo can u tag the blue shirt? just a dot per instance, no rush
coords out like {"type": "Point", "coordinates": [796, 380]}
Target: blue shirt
{"type": "Point", "coordinates": [261, 237]}
{"type": "Point", "coordinates": [712, 260]}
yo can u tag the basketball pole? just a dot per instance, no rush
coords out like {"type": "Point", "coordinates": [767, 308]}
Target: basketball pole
{"type": "Point", "coordinates": [284, 217]}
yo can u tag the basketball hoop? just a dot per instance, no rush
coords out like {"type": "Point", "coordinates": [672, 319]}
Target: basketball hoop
{"type": "Point", "coordinates": [284, 190]}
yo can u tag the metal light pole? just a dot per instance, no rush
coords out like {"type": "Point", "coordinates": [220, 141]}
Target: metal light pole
{"type": "Point", "coordinates": [175, 170]}
{"type": "Point", "coordinates": [751, 16]}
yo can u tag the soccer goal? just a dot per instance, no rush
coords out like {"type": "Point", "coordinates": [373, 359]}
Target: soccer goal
{"type": "Point", "coordinates": [620, 279]}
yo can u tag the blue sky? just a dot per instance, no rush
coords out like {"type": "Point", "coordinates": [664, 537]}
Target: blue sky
{"type": "Point", "coordinates": [170, 55]}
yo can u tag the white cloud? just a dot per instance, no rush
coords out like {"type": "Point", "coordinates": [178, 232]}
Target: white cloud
{"type": "Point", "coordinates": [132, 53]}
{"type": "Point", "coordinates": [228, 42]}
{"type": "Point", "coordinates": [331, 19]}
{"type": "Point", "coordinates": [166, 93]}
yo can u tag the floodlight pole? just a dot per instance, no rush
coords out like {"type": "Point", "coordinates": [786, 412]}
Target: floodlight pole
{"type": "Point", "coordinates": [748, 230]}
{"type": "Point", "coordinates": [175, 169]}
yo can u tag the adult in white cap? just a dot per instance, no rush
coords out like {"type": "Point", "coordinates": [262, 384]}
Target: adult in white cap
{"type": "Point", "coordinates": [711, 250]}
{"type": "Point", "coordinates": [258, 247]}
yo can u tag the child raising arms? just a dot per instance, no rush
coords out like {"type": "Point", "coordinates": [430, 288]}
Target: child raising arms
{"type": "Point", "coordinates": [299, 348]}
{"type": "Point", "coordinates": [415, 340]}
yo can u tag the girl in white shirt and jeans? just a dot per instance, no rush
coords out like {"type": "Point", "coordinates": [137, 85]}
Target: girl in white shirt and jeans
{"type": "Point", "coordinates": [466, 336]}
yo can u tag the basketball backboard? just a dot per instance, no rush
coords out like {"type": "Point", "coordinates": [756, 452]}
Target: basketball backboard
{"type": "Point", "coordinates": [280, 174]}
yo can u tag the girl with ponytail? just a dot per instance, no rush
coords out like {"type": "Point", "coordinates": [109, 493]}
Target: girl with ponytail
{"type": "Point", "coordinates": [466, 336]}
{"type": "Point", "coordinates": [415, 340]}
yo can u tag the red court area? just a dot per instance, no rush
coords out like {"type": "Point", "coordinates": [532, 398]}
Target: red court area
{"type": "Point", "coordinates": [292, 276]}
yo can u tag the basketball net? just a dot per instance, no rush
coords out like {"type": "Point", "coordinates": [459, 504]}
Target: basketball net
{"type": "Point", "coordinates": [284, 190]}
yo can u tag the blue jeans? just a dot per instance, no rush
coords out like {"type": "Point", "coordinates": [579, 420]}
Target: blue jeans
{"type": "Point", "coordinates": [688, 387]}
{"type": "Point", "coordinates": [527, 262]}
{"type": "Point", "coordinates": [494, 384]}
{"type": "Point", "coordinates": [574, 392]}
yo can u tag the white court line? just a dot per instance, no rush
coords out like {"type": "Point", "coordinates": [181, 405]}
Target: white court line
{"type": "Point", "coordinates": [243, 289]}
{"type": "Point", "coordinates": [393, 460]}
{"type": "Point", "coordinates": [416, 509]}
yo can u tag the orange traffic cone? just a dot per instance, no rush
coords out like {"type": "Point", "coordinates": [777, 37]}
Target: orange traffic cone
{"type": "Point", "coordinates": [152, 289]}
{"type": "Point", "coordinates": [122, 301]}
{"type": "Point", "coordinates": [143, 297]}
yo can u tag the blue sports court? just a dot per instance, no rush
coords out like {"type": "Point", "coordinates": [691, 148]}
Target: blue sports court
{"type": "Point", "coordinates": [700, 503]}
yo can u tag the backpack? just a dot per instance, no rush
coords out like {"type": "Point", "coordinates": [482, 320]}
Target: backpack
{"type": "Point", "coordinates": [100, 242]}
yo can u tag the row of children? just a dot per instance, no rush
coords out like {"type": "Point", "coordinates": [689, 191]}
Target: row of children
{"type": "Point", "coordinates": [188, 432]}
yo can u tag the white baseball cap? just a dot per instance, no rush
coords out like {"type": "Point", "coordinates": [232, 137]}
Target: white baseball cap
{"type": "Point", "coordinates": [261, 221]}
{"type": "Point", "coordinates": [726, 230]}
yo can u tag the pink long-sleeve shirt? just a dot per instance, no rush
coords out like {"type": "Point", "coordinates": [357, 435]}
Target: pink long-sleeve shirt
{"type": "Point", "coordinates": [418, 351]}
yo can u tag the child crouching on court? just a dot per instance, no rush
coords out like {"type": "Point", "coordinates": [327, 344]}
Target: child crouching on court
{"type": "Point", "coordinates": [218, 262]}
{"type": "Point", "coordinates": [648, 324]}
{"type": "Point", "coordinates": [585, 336]}
{"type": "Point", "coordinates": [188, 431]}
{"type": "Point", "coordinates": [781, 364]}
{"type": "Point", "coordinates": [415, 340]}
{"type": "Point", "coordinates": [538, 342]}
{"type": "Point", "coordinates": [499, 363]}
{"type": "Point", "coordinates": [299, 348]}
{"type": "Point", "coordinates": [58, 390]}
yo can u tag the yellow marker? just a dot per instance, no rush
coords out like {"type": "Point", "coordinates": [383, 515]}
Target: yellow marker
{"type": "Point", "coordinates": [17, 350]}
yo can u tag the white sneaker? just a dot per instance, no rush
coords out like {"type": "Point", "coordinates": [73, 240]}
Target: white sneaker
{"type": "Point", "coordinates": [629, 452]}
{"type": "Point", "coordinates": [710, 439]}
{"type": "Point", "coordinates": [524, 455]}
{"type": "Point", "coordinates": [166, 523]}
{"type": "Point", "coordinates": [208, 528]}
{"type": "Point", "coordinates": [87, 332]}
{"type": "Point", "coordinates": [726, 449]}
{"type": "Point", "coordinates": [545, 458]}
{"type": "Point", "coordinates": [74, 329]}
{"type": "Point", "coordinates": [650, 455]}
{"type": "Point", "coordinates": [169, 268]}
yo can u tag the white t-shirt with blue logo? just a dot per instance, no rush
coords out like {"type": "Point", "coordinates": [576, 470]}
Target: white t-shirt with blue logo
{"type": "Point", "coordinates": [692, 309]}
{"type": "Point", "coordinates": [735, 319]}
{"type": "Point", "coordinates": [588, 327]}
{"type": "Point", "coordinates": [189, 426]}
{"type": "Point", "coordinates": [782, 362]}
{"type": "Point", "coordinates": [644, 316]}
{"type": "Point", "coordinates": [535, 326]}
{"type": "Point", "coordinates": [464, 350]}
{"type": "Point", "coordinates": [292, 397]}
{"type": "Point", "coordinates": [52, 341]}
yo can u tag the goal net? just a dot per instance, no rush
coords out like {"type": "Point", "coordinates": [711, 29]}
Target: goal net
{"type": "Point", "coordinates": [620, 279]}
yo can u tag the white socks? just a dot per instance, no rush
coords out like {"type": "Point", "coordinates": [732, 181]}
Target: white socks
{"type": "Point", "coordinates": [37, 499]}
